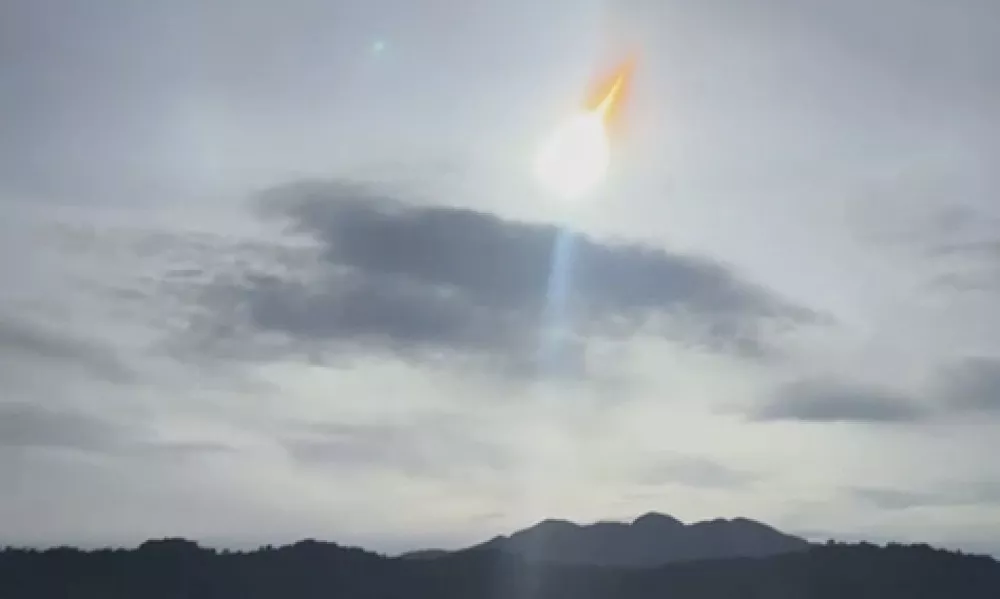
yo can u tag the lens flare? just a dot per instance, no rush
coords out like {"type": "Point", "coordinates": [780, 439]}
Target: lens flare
{"type": "Point", "coordinates": [574, 159]}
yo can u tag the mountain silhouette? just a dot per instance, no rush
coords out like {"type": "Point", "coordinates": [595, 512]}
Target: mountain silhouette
{"type": "Point", "coordinates": [175, 568]}
{"type": "Point", "coordinates": [650, 540]}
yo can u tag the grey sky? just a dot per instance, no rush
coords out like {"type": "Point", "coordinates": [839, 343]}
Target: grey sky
{"type": "Point", "coordinates": [273, 270]}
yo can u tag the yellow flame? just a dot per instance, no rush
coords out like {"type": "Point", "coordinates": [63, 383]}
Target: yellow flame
{"type": "Point", "coordinates": [611, 99]}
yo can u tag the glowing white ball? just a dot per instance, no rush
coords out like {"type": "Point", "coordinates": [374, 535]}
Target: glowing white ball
{"type": "Point", "coordinates": [574, 160]}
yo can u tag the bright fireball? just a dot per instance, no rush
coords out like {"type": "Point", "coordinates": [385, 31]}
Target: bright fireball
{"type": "Point", "coordinates": [574, 159]}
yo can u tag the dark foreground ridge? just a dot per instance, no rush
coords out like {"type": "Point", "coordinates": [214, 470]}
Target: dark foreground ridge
{"type": "Point", "coordinates": [177, 568]}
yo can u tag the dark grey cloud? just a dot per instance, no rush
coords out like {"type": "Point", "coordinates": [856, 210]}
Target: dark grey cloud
{"type": "Point", "coordinates": [972, 384]}
{"type": "Point", "coordinates": [427, 447]}
{"type": "Point", "coordinates": [504, 264]}
{"type": "Point", "coordinates": [21, 339]}
{"type": "Point", "coordinates": [828, 400]}
{"type": "Point", "coordinates": [427, 281]}
{"type": "Point", "coordinates": [695, 471]}
{"type": "Point", "coordinates": [34, 426]}
{"type": "Point", "coordinates": [25, 425]}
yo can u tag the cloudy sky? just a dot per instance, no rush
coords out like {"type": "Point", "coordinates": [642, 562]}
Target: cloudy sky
{"type": "Point", "coordinates": [277, 270]}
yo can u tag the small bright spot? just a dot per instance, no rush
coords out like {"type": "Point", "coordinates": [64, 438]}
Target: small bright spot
{"type": "Point", "coordinates": [378, 46]}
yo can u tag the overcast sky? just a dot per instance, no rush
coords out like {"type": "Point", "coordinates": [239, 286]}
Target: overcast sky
{"type": "Point", "coordinates": [274, 270]}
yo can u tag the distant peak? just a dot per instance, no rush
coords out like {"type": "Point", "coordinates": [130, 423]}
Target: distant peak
{"type": "Point", "coordinates": [546, 529]}
{"type": "Point", "coordinates": [745, 522]}
{"type": "Point", "coordinates": [554, 523]}
{"type": "Point", "coordinates": [749, 523]}
{"type": "Point", "coordinates": [651, 539]}
{"type": "Point", "coordinates": [656, 519]}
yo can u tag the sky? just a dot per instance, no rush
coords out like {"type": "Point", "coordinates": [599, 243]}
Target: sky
{"type": "Point", "coordinates": [282, 270]}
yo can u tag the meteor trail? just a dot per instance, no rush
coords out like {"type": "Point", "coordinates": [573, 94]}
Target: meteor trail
{"type": "Point", "coordinates": [612, 96]}
{"type": "Point", "coordinates": [608, 97]}
{"type": "Point", "coordinates": [575, 158]}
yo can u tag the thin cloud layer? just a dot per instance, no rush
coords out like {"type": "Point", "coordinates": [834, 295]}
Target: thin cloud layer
{"type": "Point", "coordinates": [827, 400]}
{"type": "Point", "coordinates": [20, 339]}
{"type": "Point", "coordinates": [899, 499]}
{"type": "Point", "coordinates": [418, 281]}
{"type": "Point", "coordinates": [35, 426]}
{"type": "Point", "coordinates": [25, 425]}
{"type": "Point", "coordinates": [972, 384]}
{"type": "Point", "coordinates": [434, 449]}
{"type": "Point", "coordinates": [984, 493]}
{"type": "Point", "coordinates": [696, 472]}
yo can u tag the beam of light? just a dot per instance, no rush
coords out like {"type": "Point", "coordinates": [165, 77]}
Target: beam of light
{"type": "Point", "coordinates": [556, 325]}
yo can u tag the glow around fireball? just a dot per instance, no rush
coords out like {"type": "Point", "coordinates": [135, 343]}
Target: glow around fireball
{"type": "Point", "coordinates": [574, 159]}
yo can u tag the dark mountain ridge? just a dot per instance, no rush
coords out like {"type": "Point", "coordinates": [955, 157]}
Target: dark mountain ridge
{"type": "Point", "coordinates": [650, 540]}
{"type": "Point", "coordinates": [309, 569]}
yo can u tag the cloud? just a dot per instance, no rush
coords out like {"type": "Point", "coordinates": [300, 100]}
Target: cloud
{"type": "Point", "coordinates": [979, 493]}
{"type": "Point", "coordinates": [426, 447]}
{"type": "Point", "coordinates": [25, 426]}
{"type": "Point", "coordinates": [988, 249]}
{"type": "Point", "coordinates": [424, 282]}
{"type": "Point", "coordinates": [897, 499]}
{"type": "Point", "coordinates": [958, 247]}
{"type": "Point", "coordinates": [827, 400]}
{"type": "Point", "coordinates": [967, 266]}
{"type": "Point", "coordinates": [972, 384]}
{"type": "Point", "coordinates": [33, 426]}
{"type": "Point", "coordinates": [695, 471]}
{"type": "Point", "coordinates": [21, 339]}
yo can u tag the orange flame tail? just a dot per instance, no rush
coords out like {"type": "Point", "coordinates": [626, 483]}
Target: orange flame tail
{"type": "Point", "coordinates": [609, 95]}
